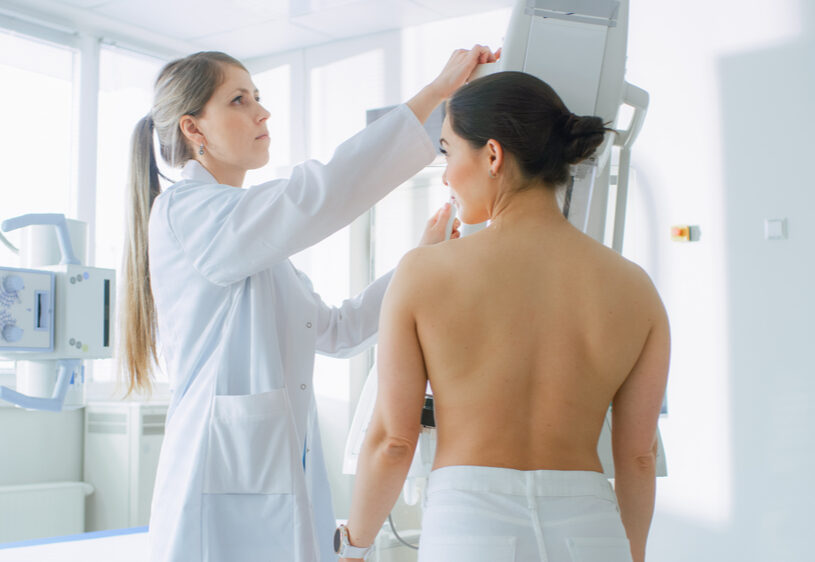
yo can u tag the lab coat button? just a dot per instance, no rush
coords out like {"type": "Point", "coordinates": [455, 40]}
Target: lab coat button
{"type": "Point", "coordinates": [308, 324]}
{"type": "Point", "coordinates": [303, 386]}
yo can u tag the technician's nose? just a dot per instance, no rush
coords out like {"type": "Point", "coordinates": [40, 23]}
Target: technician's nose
{"type": "Point", "coordinates": [263, 115]}
{"type": "Point", "coordinates": [444, 178]}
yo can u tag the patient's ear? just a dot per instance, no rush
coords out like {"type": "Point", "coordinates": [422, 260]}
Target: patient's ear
{"type": "Point", "coordinates": [495, 154]}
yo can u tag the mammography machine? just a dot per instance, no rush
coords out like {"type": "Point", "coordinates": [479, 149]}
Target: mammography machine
{"type": "Point", "coordinates": [54, 313]}
{"type": "Point", "coordinates": [579, 48]}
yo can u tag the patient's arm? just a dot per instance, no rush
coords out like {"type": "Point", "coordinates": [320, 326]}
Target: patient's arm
{"type": "Point", "coordinates": [635, 413]}
{"type": "Point", "coordinates": [391, 438]}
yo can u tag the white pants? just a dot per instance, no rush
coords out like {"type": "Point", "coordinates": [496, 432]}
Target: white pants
{"type": "Point", "coordinates": [480, 514]}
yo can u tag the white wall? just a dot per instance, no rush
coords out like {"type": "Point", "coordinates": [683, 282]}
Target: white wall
{"type": "Point", "coordinates": [726, 144]}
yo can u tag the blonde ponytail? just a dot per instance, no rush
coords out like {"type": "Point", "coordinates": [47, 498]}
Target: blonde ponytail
{"type": "Point", "coordinates": [138, 319]}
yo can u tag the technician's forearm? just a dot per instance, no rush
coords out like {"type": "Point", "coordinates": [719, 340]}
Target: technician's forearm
{"type": "Point", "coordinates": [382, 468]}
{"type": "Point", "coordinates": [423, 103]}
{"type": "Point", "coordinates": [635, 485]}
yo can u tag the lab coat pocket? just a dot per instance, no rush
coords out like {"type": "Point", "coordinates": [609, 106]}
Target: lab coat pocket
{"type": "Point", "coordinates": [251, 445]}
{"type": "Point", "coordinates": [469, 548]}
{"type": "Point", "coordinates": [599, 549]}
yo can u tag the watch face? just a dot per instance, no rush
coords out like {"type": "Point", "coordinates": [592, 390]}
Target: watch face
{"type": "Point", "coordinates": [337, 540]}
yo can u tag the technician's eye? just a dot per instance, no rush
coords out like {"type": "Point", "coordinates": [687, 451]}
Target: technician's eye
{"type": "Point", "coordinates": [238, 99]}
{"type": "Point", "coordinates": [257, 99]}
{"type": "Point", "coordinates": [443, 151]}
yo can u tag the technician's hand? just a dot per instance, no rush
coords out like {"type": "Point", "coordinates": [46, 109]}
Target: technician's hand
{"type": "Point", "coordinates": [461, 65]}
{"type": "Point", "coordinates": [454, 74]}
{"type": "Point", "coordinates": [436, 226]}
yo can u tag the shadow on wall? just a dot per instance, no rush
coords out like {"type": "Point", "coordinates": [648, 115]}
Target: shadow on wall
{"type": "Point", "coordinates": [768, 127]}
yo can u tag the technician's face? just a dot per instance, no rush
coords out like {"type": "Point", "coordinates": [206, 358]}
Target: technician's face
{"type": "Point", "coordinates": [234, 123]}
{"type": "Point", "coordinates": [467, 175]}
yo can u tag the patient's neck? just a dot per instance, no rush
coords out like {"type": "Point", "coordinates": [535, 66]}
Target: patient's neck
{"type": "Point", "coordinates": [536, 203]}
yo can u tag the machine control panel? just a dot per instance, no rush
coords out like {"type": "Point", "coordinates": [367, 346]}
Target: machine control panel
{"type": "Point", "coordinates": [26, 310]}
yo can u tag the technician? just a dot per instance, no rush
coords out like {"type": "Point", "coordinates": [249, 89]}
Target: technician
{"type": "Point", "coordinates": [206, 272]}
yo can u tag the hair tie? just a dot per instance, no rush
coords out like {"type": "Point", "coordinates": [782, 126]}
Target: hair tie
{"type": "Point", "coordinates": [569, 121]}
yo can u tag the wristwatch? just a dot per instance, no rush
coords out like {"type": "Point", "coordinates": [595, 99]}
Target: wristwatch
{"type": "Point", "coordinates": [343, 546]}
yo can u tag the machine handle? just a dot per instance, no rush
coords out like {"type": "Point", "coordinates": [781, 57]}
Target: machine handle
{"type": "Point", "coordinates": [486, 68]}
{"type": "Point", "coordinates": [638, 99]}
{"type": "Point", "coordinates": [67, 369]}
{"type": "Point", "coordinates": [55, 219]}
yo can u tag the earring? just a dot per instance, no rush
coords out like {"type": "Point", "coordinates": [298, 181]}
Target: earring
{"type": "Point", "coordinates": [201, 150]}
{"type": "Point", "coordinates": [492, 174]}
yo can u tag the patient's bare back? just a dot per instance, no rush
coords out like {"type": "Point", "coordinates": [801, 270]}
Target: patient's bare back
{"type": "Point", "coordinates": [527, 333]}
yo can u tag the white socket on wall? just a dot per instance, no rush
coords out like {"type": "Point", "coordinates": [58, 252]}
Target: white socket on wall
{"type": "Point", "coordinates": [775, 229]}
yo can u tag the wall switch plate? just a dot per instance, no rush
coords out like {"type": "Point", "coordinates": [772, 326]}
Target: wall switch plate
{"type": "Point", "coordinates": [775, 229]}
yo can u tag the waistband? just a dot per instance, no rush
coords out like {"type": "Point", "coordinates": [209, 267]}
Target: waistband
{"type": "Point", "coordinates": [521, 482]}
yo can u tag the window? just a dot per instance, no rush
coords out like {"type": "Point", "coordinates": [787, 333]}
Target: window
{"type": "Point", "coordinates": [36, 117]}
{"type": "Point", "coordinates": [341, 92]}
{"type": "Point", "coordinates": [274, 86]}
{"type": "Point", "coordinates": [426, 48]}
{"type": "Point", "coordinates": [125, 96]}
{"type": "Point", "coordinates": [400, 218]}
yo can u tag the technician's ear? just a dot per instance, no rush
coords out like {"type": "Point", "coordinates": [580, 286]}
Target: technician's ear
{"type": "Point", "coordinates": [189, 128]}
{"type": "Point", "coordinates": [495, 152]}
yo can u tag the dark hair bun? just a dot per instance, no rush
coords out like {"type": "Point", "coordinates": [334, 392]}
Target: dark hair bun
{"type": "Point", "coordinates": [530, 121]}
{"type": "Point", "coordinates": [583, 134]}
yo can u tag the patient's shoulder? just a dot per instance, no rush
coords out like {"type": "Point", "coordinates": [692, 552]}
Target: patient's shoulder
{"type": "Point", "coordinates": [640, 288]}
{"type": "Point", "coordinates": [611, 262]}
{"type": "Point", "coordinates": [620, 278]}
{"type": "Point", "coordinates": [638, 278]}
{"type": "Point", "coordinates": [424, 271]}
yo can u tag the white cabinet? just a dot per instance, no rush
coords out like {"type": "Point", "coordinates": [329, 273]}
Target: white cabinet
{"type": "Point", "coordinates": [122, 444]}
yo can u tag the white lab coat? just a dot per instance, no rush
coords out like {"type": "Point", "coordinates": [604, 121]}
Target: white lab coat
{"type": "Point", "coordinates": [241, 475]}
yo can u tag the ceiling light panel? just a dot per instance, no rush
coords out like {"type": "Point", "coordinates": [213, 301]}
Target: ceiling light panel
{"type": "Point", "coordinates": [262, 39]}
{"type": "Point", "coordinates": [304, 7]}
{"type": "Point", "coordinates": [453, 8]}
{"type": "Point", "coordinates": [365, 16]}
{"type": "Point", "coordinates": [263, 9]}
{"type": "Point", "coordinates": [183, 19]}
{"type": "Point", "coordinates": [83, 3]}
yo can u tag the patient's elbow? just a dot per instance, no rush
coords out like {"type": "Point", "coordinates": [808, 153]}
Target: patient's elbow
{"type": "Point", "coordinates": [637, 458]}
{"type": "Point", "coordinates": [395, 449]}
{"type": "Point", "coordinates": [644, 462]}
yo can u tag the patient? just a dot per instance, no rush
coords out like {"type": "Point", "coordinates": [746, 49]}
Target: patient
{"type": "Point", "coordinates": [527, 331]}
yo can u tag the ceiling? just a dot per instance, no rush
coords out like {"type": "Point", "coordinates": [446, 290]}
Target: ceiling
{"type": "Point", "coordinates": [244, 28]}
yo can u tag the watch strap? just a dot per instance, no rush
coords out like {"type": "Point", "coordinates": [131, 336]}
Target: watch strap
{"type": "Point", "coordinates": [350, 551]}
{"type": "Point", "coordinates": [346, 549]}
